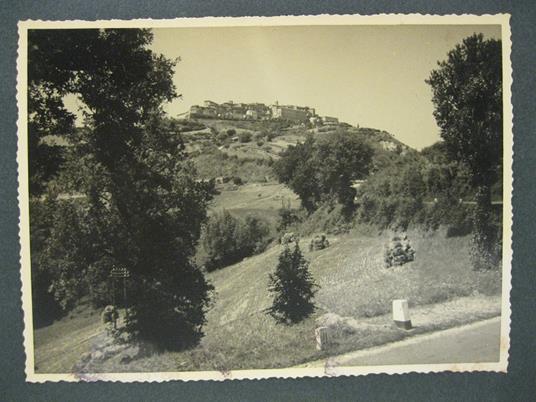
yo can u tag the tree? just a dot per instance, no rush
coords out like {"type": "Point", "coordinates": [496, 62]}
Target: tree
{"type": "Point", "coordinates": [341, 158]}
{"type": "Point", "coordinates": [445, 179]}
{"type": "Point", "coordinates": [324, 168]}
{"type": "Point", "coordinates": [296, 169]}
{"type": "Point", "coordinates": [293, 287]}
{"type": "Point", "coordinates": [143, 205]}
{"type": "Point", "coordinates": [227, 239]}
{"type": "Point", "coordinates": [467, 95]}
{"type": "Point", "coordinates": [244, 136]}
{"type": "Point", "coordinates": [287, 216]}
{"type": "Point", "coordinates": [393, 196]}
{"type": "Point", "coordinates": [45, 307]}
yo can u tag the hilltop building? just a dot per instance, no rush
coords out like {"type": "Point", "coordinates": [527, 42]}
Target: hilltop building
{"type": "Point", "coordinates": [289, 113]}
{"type": "Point", "coordinates": [230, 110]}
{"type": "Point", "coordinates": [293, 113]}
{"type": "Point", "coordinates": [330, 120]}
{"type": "Point", "coordinates": [252, 114]}
{"type": "Point", "coordinates": [258, 111]}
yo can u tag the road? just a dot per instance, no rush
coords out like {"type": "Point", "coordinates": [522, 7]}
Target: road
{"type": "Point", "coordinates": [474, 343]}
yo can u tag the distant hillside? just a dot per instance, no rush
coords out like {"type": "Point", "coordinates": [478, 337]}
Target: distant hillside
{"type": "Point", "coordinates": [386, 140]}
{"type": "Point", "coordinates": [247, 148]}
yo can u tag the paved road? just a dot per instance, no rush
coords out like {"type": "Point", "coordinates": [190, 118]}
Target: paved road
{"type": "Point", "coordinates": [474, 343]}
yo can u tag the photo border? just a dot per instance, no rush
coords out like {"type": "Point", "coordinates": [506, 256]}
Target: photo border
{"type": "Point", "coordinates": [383, 19]}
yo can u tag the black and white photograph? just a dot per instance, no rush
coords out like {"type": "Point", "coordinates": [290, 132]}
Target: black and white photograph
{"type": "Point", "coordinates": [227, 198]}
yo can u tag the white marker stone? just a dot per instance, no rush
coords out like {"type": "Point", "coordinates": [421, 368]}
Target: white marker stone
{"type": "Point", "coordinates": [401, 314]}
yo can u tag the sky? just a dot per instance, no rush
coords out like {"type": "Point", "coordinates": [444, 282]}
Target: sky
{"type": "Point", "coordinates": [367, 75]}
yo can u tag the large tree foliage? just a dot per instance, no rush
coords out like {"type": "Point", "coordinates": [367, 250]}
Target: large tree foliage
{"type": "Point", "coordinates": [467, 95]}
{"type": "Point", "coordinates": [324, 168]}
{"type": "Point", "coordinates": [142, 205]}
{"type": "Point", "coordinates": [393, 196]}
{"type": "Point", "coordinates": [227, 239]}
{"type": "Point", "coordinates": [292, 286]}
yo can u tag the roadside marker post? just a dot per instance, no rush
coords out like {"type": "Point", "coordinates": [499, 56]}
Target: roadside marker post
{"type": "Point", "coordinates": [401, 314]}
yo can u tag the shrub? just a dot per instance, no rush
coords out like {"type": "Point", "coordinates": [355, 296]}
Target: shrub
{"type": "Point", "coordinates": [287, 218]}
{"type": "Point", "coordinates": [244, 137]}
{"type": "Point", "coordinates": [393, 197]}
{"type": "Point", "coordinates": [222, 138]}
{"type": "Point", "coordinates": [271, 135]}
{"type": "Point", "coordinates": [319, 242]}
{"type": "Point", "coordinates": [227, 240]}
{"type": "Point", "coordinates": [293, 287]}
{"type": "Point", "coordinates": [288, 238]}
{"type": "Point", "coordinates": [99, 284]}
{"type": "Point", "coordinates": [329, 218]}
{"type": "Point", "coordinates": [237, 180]}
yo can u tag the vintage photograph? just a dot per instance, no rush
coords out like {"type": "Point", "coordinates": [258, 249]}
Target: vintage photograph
{"type": "Point", "coordinates": [226, 198]}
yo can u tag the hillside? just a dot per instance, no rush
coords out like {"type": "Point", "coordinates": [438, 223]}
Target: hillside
{"type": "Point", "coordinates": [247, 148]}
{"type": "Point", "coordinates": [353, 283]}
{"type": "Point", "coordinates": [240, 335]}
{"type": "Point", "coordinates": [345, 272]}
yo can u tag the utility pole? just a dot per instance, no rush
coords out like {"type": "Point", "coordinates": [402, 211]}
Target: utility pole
{"type": "Point", "coordinates": [120, 273]}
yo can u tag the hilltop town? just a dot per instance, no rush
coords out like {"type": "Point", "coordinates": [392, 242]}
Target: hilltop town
{"type": "Point", "coordinates": [259, 111]}
{"type": "Point", "coordinates": [252, 117]}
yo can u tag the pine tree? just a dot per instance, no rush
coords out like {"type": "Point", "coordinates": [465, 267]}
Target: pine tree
{"type": "Point", "coordinates": [293, 287]}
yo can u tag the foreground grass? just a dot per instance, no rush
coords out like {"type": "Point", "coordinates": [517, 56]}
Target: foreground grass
{"type": "Point", "coordinates": [259, 343]}
{"type": "Point", "coordinates": [58, 347]}
{"type": "Point", "coordinates": [239, 335]}
{"type": "Point", "coordinates": [354, 282]}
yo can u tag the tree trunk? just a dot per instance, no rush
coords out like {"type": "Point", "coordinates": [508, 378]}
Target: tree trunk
{"type": "Point", "coordinates": [484, 253]}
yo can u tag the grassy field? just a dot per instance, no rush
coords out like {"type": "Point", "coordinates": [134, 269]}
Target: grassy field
{"type": "Point", "coordinates": [262, 200]}
{"type": "Point", "coordinates": [353, 282]}
{"type": "Point", "coordinates": [261, 196]}
{"type": "Point", "coordinates": [59, 346]}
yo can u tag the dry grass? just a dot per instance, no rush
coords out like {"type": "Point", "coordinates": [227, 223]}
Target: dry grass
{"type": "Point", "coordinates": [58, 346]}
{"type": "Point", "coordinates": [262, 200]}
{"type": "Point", "coordinates": [257, 196]}
{"type": "Point", "coordinates": [353, 282]}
